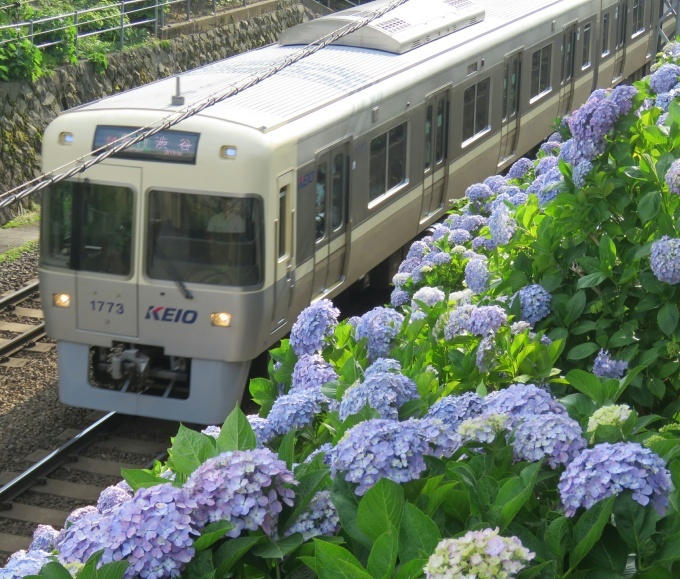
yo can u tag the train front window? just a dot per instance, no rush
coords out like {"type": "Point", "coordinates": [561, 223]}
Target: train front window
{"type": "Point", "coordinates": [87, 227]}
{"type": "Point", "coordinates": [205, 239]}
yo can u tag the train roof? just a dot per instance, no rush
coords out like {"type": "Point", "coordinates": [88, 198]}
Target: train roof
{"type": "Point", "coordinates": [323, 77]}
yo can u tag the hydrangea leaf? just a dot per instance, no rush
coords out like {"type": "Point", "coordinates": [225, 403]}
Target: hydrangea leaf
{"type": "Point", "coordinates": [418, 535]}
{"type": "Point", "coordinates": [635, 523]}
{"type": "Point", "coordinates": [54, 570]}
{"type": "Point", "coordinates": [515, 492]}
{"type": "Point", "coordinates": [588, 529]}
{"type": "Point", "coordinates": [587, 383]}
{"type": "Point", "coordinates": [591, 280]}
{"type": "Point", "coordinates": [347, 504]}
{"type": "Point", "coordinates": [201, 566]}
{"type": "Point", "coordinates": [236, 433]}
{"type": "Point", "coordinates": [190, 449]}
{"type": "Point", "coordinates": [264, 392]}
{"type": "Point", "coordinates": [279, 549]}
{"type": "Point", "coordinates": [411, 570]}
{"type": "Point", "coordinates": [228, 554]}
{"type": "Point", "coordinates": [610, 552]}
{"type": "Point", "coordinates": [582, 351]}
{"type": "Point", "coordinates": [382, 505]}
{"type": "Point", "coordinates": [212, 533]}
{"type": "Point", "coordinates": [383, 557]}
{"type": "Point", "coordinates": [286, 450]}
{"type": "Point", "coordinates": [335, 562]}
{"type": "Point", "coordinates": [558, 536]}
{"type": "Point", "coordinates": [309, 484]}
{"type": "Point", "coordinates": [667, 318]}
{"type": "Point", "coordinates": [141, 478]}
{"type": "Point", "coordinates": [670, 550]}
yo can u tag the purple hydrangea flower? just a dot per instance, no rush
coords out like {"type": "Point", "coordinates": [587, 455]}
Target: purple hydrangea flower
{"type": "Point", "coordinates": [519, 199]}
{"type": "Point", "coordinates": [483, 243]}
{"type": "Point", "coordinates": [439, 231]}
{"type": "Point", "coordinates": [110, 497]}
{"type": "Point", "coordinates": [591, 123]}
{"type": "Point", "coordinates": [569, 152]}
{"type": "Point", "coordinates": [452, 410]}
{"type": "Point", "coordinates": [555, 436]}
{"type": "Point", "coordinates": [521, 400]}
{"type": "Point", "coordinates": [313, 325]}
{"type": "Point", "coordinates": [379, 448]}
{"type": "Point", "coordinates": [501, 225]}
{"type": "Point", "coordinates": [486, 353]}
{"type": "Point", "coordinates": [534, 302]}
{"type": "Point", "coordinates": [323, 449]}
{"type": "Point", "coordinates": [665, 259]}
{"type": "Point", "coordinates": [520, 168]}
{"type": "Point", "coordinates": [664, 78]}
{"type": "Point", "coordinates": [77, 514]}
{"type": "Point", "coordinates": [606, 367]}
{"type": "Point", "coordinates": [429, 296]}
{"type": "Point", "coordinates": [212, 430]}
{"type": "Point", "coordinates": [550, 147]}
{"type": "Point", "coordinates": [436, 258]}
{"type": "Point", "coordinates": [418, 250]}
{"type": "Point", "coordinates": [382, 391]}
{"type": "Point", "coordinates": [483, 554]}
{"type": "Point", "coordinates": [23, 563]}
{"type": "Point", "coordinates": [477, 275]}
{"type": "Point", "coordinates": [609, 469]}
{"type": "Point", "coordinates": [244, 487]}
{"type": "Point", "coordinates": [295, 410]}
{"type": "Point", "coordinates": [555, 137]}
{"type": "Point", "coordinates": [472, 223]}
{"type": "Point", "coordinates": [673, 177]}
{"type": "Point", "coordinates": [459, 236]}
{"type": "Point", "coordinates": [87, 534]}
{"type": "Point", "coordinates": [319, 518]}
{"type": "Point", "coordinates": [383, 365]}
{"type": "Point", "coordinates": [261, 427]}
{"type": "Point", "coordinates": [545, 164]}
{"type": "Point", "coordinates": [379, 327]}
{"type": "Point", "coordinates": [495, 182]}
{"type": "Point", "coordinates": [580, 172]}
{"type": "Point", "coordinates": [44, 538]}
{"type": "Point", "coordinates": [486, 320]}
{"type": "Point", "coordinates": [623, 96]}
{"type": "Point", "coordinates": [478, 193]}
{"type": "Point", "coordinates": [458, 321]}
{"type": "Point", "coordinates": [399, 297]}
{"type": "Point", "coordinates": [311, 372]}
{"type": "Point", "coordinates": [443, 440]}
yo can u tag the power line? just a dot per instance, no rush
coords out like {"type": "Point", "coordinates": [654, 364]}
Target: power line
{"type": "Point", "coordinates": [98, 155]}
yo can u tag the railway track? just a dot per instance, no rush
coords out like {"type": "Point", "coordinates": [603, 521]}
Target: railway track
{"type": "Point", "coordinates": [74, 474]}
{"type": "Point", "coordinates": [21, 325]}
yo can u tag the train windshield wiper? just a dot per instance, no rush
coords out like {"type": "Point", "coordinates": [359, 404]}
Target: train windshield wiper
{"type": "Point", "coordinates": [174, 274]}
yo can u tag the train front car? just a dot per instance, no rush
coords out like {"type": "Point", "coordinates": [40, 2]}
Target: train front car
{"type": "Point", "coordinates": [153, 264]}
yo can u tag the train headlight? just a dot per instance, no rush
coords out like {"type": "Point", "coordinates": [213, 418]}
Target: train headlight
{"type": "Point", "coordinates": [61, 300]}
{"type": "Point", "coordinates": [220, 319]}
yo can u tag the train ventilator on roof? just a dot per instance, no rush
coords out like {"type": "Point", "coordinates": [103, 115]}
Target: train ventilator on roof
{"type": "Point", "coordinates": [408, 26]}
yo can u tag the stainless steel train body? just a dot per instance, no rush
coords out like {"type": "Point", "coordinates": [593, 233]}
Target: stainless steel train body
{"type": "Point", "coordinates": [325, 170]}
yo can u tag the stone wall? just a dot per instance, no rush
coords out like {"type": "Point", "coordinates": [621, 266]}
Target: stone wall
{"type": "Point", "coordinates": [27, 108]}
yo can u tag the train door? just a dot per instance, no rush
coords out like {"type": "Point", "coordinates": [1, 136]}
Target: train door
{"type": "Point", "coordinates": [284, 250]}
{"type": "Point", "coordinates": [510, 106]}
{"type": "Point", "coordinates": [621, 23]}
{"type": "Point", "coordinates": [567, 75]}
{"type": "Point", "coordinates": [332, 194]}
{"type": "Point", "coordinates": [435, 151]}
{"type": "Point", "coordinates": [102, 246]}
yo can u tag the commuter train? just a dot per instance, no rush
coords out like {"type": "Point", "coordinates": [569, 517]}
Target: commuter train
{"type": "Point", "coordinates": [168, 267]}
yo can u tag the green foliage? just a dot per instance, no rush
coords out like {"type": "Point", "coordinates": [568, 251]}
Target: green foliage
{"type": "Point", "coordinates": [100, 62]}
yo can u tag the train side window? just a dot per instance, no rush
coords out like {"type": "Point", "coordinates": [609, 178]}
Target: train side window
{"type": "Point", "coordinates": [427, 162]}
{"type": "Point", "coordinates": [441, 129]}
{"type": "Point", "coordinates": [622, 11]}
{"type": "Point", "coordinates": [638, 16]}
{"type": "Point", "coordinates": [338, 187]}
{"type": "Point", "coordinates": [605, 34]}
{"type": "Point", "coordinates": [283, 213]}
{"type": "Point", "coordinates": [541, 62]}
{"type": "Point", "coordinates": [321, 176]}
{"type": "Point", "coordinates": [388, 161]}
{"type": "Point", "coordinates": [585, 60]}
{"type": "Point", "coordinates": [476, 109]}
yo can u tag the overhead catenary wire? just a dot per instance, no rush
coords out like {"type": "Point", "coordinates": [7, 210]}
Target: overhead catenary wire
{"type": "Point", "coordinates": [98, 155]}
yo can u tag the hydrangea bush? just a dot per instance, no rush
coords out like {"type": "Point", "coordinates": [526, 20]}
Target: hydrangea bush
{"type": "Point", "coordinates": [512, 412]}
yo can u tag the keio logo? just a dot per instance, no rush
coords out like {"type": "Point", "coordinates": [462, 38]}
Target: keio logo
{"type": "Point", "coordinates": [172, 315]}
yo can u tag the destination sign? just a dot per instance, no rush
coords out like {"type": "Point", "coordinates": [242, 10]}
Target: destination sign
{"type": "Point", "coordinates": [165, 146]}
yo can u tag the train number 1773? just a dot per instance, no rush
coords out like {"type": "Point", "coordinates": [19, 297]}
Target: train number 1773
{"type": "Point", "coordinates": [107, 307]}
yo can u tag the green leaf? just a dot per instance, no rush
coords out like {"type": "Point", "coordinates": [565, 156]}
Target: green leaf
{"type": "Point", "coordinates": [141, 478]}
{"type": "Point", "coordinates": [411, 570]}
{"type": "Point", "coordinates": [558, 536]}
{"type": "Point", "coordinates": [279, 549]}
{"type": "Point", "coordinates": [582, 351]}
{"type": "Point", "coordinates": [668, 318]}
{"type": "Point", "coordinates": [335, 562]}
{"type": "Point", "coordinates": [345, 501]}
{"type": "Point", "coordinates": [190, 449]}
{"type": "Point", "coordinates": [588, 529]}
{"type": "Point", "coordinates": [263, 392]}
{"type": "Point", "coordinates": [591, 280]}
{"type": "Point", "coordinates": [286, 450]}
{"type": "Point", "coordinates": [670, 550]}
{"type": "Point", "coordinates": [610, 552]}
{"type": "Point", "coordinates": [575, 307]}
{"type": "Point", "coordinates": [607, 253]}
{"type": "Point", "coordinates": [588, 384]}
{"type": "Point", "coordinates": [114, 570]}
{"type": "Point", "coordinates": [231, 551]}
{"type": "Point", "coordinates": [515, 492]}
{"type": "Point", "coordinates": [649, 205]}
{"type": "Point", "coordinates": [383, 557]}
{"type": "Point", "coordinates": [211, 534]}
{"type": "Point", "coordinates": [54, 570]}
{"type": "Point", "coordinates": [634, 523]}
{"type": "Point", "coordinates": [418, 535]}
{"type": "Point", "coordinates": [201, 566]}
{"type": "Point", "coordinates": [381, 506]}
{"type": "Point", "coordinates": [236, 433]}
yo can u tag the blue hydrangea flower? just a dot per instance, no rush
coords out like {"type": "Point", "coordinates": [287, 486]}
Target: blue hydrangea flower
{"type": "Point", "coordinates": [311, 372]}
{"type": "Point", "coordinates": [609, 469]}
{"type": "Point", "coordinates": [399, 297]}
{"type": "Point", "coordinates": [84, 536]}
{"type": "Point", "coordinates": [383, 365]}
{"type": "Point", "coordinates": [319, 518]}
{"type": "Point", "coordinates": [580, 172]}
{"type": "Point", "coordinates": [458, 321]}
{"type": "Point", "coordinates": [382, 391]}
{"type": "Point", "coordinates": [555, 436]}
{"type": "Point", "coordinates": [665, 259]}
{"type": "Point", "coordinates": [478, 193]}
{"type": "Point", "coordinates": [520, 168]}
{"type": "Point", "coordinates": [519, 327]}
{"type": "Point", "coordinates": [534, 302]}
{"type": "Point", "coordinates": [459, 236]}
{"type": "Point", "coordinates": [399, 280]}
{"type": "Point", "coordinates": [452, 410]}
{"type": "Point", "coordinates": [44, 538]}
{"type": "Point", "coordinates": [549, 186]}
{"type": "Point", "coordinates": [591, 123]}
{"type": "Point", "coordinates": [544, 165]}
{"type": "Point", "coordinates": [245, 487]}
{"type": "Point", "coordinates": [323, 449]}
{"type": "Point", "coordinates": [501, 225]}
{"type": "Point", "coordinates": [110, 497]}
{"type": "Point", "coordinates": [379, 326]}
{"type": "Point", "coordinates": [482, 554]}
{"type": "Point", "coordinates": [519, 199]}
{"type": "Point", "coordinates": [439, 231]}
{"type": "Point", "coordinates": [486, 320]}
{"type": "Point", "coordinates": [569, 152]}
{"type": "Point", "coordinates": [555, 137]}
{"type": "Point", "coordinates": [443, 440]}
{"type": "Point", "coordinates": [483, 243]}
{"type": "Point", "coordinates": [495, 182]}
{"type": "Point", "coordinates": [483, 428]}
{"type": "Point", "coordinates": [417, 250]}
{"type": "Point", "coordinates": [153, 531]}
{"type": "Point", "coordinates": [313, 325]}
{"type": "Point", "coordinates": [472, 223]}
{"type": "Point", "coordinates": [295, 410]}
{"type": "Point", "coordinates": [379, 448]}
{"type": "Point", "coordinates": [436, 258]}
{"type": "Point", "coordinates": [23, 563]}
{"type": "Point", "coordinates": [664, 78]}
{"type": "Point", "coordinates": [477, 275]}
{"type": "Point", "coordinates": [606, 367]}
{"type": "Point", "coordinates": [429, 296]}
{"type": "Point", "coordinates": [521, 400]}
{"type": "Point", "coordinates": [673, 177]}
{"type": "Point", "coordinates": [486, 353]}
{"type": "Point", "coordinates": [623, 96]}
{"type": "Point", "coordinates": [212, 430]}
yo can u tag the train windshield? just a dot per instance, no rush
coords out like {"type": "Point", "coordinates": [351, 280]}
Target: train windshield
{"type": "Point", "coordinates": [87, 227]}
{"type": "Point", "coordinates": [205, 239]}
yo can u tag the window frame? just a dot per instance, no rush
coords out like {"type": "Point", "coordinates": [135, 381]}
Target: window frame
{"type": "Point", "coordinates": [477, 130]}
{"type": "Point", "coordinates": [533, 97]}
